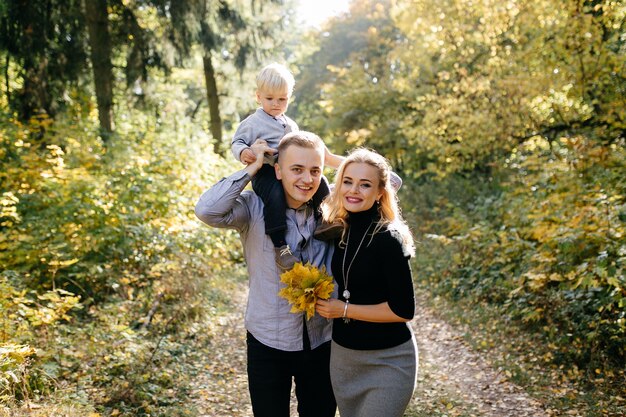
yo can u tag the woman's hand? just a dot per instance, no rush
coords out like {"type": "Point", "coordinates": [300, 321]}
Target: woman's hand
{"type": "Point", "coordinates": [330, 309]}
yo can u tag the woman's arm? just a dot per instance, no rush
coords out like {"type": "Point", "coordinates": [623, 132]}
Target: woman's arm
{"type": "Point", "coordinates": [375, 313]}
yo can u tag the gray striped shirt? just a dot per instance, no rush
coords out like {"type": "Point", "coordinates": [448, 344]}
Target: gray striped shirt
{"type": "Point", "coordinates": [268, 316]}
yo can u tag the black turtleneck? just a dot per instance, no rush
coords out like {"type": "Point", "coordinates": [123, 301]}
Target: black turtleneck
{"type": "Point", "coordinates": [379, 273]}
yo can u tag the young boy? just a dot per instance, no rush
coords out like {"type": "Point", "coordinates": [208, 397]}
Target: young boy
{"type": "Point", "coordinates": [269, 123]}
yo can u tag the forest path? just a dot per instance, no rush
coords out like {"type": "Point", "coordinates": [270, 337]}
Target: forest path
{"type": "Point", "coordinates": [453, 380]}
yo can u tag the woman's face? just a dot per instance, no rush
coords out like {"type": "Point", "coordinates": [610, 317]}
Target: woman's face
{"type": "Point", "coordinates": [360, 187]}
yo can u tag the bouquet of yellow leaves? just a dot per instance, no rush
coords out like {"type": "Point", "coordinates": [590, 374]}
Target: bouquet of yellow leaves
{"type": "Point", "coordinates": [305, 284]}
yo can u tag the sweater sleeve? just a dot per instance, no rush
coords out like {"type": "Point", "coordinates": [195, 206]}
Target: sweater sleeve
{"type": "Point", "coordinates": [399, 279]}
{"type": "Point", "coordinates": [243, 138]}
{"type": "Point", "coordinates": [292, 126]}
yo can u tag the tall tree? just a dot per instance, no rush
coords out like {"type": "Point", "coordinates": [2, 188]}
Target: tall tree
{"type": "Point", "coordinates": [346, 88]}
{"type": "Point", "coordinates": [215, 26]}
{"type": "Point", "coordinates": [45, 40]}
{"type": "Point", "coordinates": [487, 77]}
{"type": "Point", "coordinates": [100, 44]}
{"type": "Point", "coordinates": [215, 124]}
{"type": "Point", "coordinates": [225, 31]}
{"type": "Point", "coordinates": [454, 86]}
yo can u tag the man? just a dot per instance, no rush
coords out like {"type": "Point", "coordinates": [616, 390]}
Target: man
{"type": "Point", "coordinates": [281, 345]}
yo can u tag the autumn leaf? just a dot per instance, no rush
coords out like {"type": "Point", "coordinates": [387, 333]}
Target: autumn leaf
{"type": "Point", "coordinates": [305, 284]}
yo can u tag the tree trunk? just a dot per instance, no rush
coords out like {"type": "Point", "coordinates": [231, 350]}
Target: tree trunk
{"type": "Point", "coordinates": [215, 125]}
{"type": "Point", "coordinates": [6, 79]}
{"type": "Point", "coordinates": [100, 43]}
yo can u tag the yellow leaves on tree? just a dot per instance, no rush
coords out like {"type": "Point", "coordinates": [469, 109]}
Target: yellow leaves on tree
{"type": "Point", "coordinates": [304, 285]}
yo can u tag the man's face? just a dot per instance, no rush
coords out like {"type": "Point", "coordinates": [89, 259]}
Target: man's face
{"type": "Point", "coordinates": [300, 170]}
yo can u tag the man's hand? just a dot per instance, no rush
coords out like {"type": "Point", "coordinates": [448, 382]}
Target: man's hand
{"type": "Point", "coordinates": [247, 156]}
{"type": "Point", "coordinates": [258, 148]}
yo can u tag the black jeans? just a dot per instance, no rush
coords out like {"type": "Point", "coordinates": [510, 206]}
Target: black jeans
{"type": "Point", "coordinates": [270, 372]}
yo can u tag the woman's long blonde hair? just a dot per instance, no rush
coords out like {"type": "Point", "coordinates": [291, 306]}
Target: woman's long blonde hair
{"type": "Point", "coordinates": [390, 215]}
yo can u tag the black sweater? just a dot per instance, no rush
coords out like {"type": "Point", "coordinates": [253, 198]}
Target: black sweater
{"type": "Point", "coordinates": [380, 273]}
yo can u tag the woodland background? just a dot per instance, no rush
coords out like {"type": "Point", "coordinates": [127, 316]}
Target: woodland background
{"type": "Point", "coordinates": [506, 119]}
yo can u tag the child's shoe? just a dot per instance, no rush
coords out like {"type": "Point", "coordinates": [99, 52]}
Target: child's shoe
{"type": "Point", "coordinates": [328, 231]}
{"type": "Point", "coordinates": [284, 257]}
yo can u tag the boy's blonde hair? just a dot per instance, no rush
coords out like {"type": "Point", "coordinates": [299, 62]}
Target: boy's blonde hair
{"type": "Point", "coordinates": [275, 78]}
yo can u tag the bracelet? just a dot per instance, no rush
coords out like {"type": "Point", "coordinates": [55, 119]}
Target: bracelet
{"type": "Point", "coordinates": [345, 312]}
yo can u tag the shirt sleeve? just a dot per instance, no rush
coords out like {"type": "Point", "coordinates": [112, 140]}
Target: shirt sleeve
{"type": "Point", "coordinates": [400, 278]}
{"type": "Point", "coordinates": [223, 205]}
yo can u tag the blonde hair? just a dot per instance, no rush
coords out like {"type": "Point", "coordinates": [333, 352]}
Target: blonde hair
{"type": "Point", "coordinates": [390, 215]}
{"type": "Point", "coordinates": [275, 78]}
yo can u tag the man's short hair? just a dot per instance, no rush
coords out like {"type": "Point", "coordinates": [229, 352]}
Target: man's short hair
{"type": "Point", "coordinates": [302, 139]}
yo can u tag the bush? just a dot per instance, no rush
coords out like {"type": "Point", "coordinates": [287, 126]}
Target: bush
{"type": "Point", "coordinates": [27, 320]}
{"type": "Point", "coordinates": [548, 245]}
{"type": "Point", "coordinates": [112, 225]}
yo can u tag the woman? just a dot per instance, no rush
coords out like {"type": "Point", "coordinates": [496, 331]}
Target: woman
{"type": "Point", "coordinates": [373, 362]}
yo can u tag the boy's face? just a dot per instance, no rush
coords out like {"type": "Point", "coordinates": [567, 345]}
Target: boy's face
{"type": "Point", "coordinates": [273, 103]}
{"type": "Point", "coordinates": [300, 170]}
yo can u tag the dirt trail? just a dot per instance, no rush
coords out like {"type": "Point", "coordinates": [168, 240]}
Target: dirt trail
{"type": "Point", "coordinates": [455, 377]}
{"type": "Point", "coordinates": [453, 380]}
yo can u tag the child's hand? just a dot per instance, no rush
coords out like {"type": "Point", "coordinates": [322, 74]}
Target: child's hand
{"type": "Point", "coordinates": [332, 160]}
{"type": "Point", "coordinates": [247, 156]}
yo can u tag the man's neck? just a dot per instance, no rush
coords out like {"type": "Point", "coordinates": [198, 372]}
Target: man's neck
{"type": "Point", "coordinates": [298, 207]}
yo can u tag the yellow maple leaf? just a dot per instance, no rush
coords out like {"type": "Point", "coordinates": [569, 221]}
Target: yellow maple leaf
{"type": "Point", "coordinates": [305, 284]}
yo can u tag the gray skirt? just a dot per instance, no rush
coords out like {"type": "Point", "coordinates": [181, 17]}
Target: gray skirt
{"type": "Point", "coordinates": [373, 383]}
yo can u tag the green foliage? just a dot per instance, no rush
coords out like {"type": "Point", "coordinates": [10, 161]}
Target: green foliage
{"type": "Point", "coordinates": [575, 281]}
{"type": "Point", "coordinates": [114, 226]}
{"type": "Point", "coordinates": [14, 361]}
{"type": "Point", "coordinates": [78, 216]}
{"type": "Point", "coordinates": [27, 318]}
{"type": "Point", "coordinates": [346, 88]}
{"type": "Point", "coordinates": [23, 312]}
{"type": "Point", "coordinates": [46, 42]}
{"type": "Point", "coordinates": [453, 86]}
{"type": "Point", "coordinates": [547, 249]}
{"type": "Point", "coordinates": [488, 76]}
{"type": "Point", "coordinates": [510, 118]}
